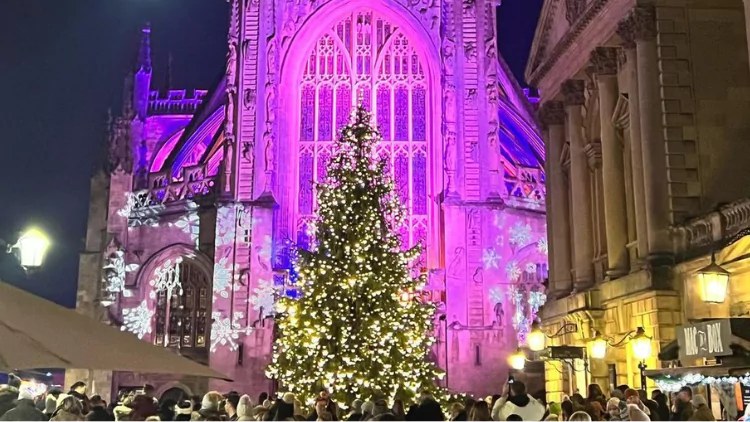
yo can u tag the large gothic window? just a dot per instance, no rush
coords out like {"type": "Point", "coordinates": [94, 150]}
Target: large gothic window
{"type": "Point", "coordinates": [365, 57]}
{"type": "Point", "coordinates": [183, 300]}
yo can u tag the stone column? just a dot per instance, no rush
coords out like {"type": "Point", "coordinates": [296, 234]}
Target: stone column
{"type": "Point", "coordinates": [613, 171]}
{"type": "Point", "coordinates": [583, 269]}
{"type": "Point", "coordinates": [747, 27]}
{"type": "Point", "coordinates": [652, 137]}
{"type": "Point", "coordinates": [552, 116]}
{"type": "Point", "coordinates": [626, 30]}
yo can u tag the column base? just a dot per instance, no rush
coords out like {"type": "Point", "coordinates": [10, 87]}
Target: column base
{"type": "Point", "coordinates": [660, 259]}
{"type": "Point", "coordinates": [615, 273]}
{"type": "Point", "coordinates": [582, 285]}
{"type": "Point", "coordinates": [557, 294]}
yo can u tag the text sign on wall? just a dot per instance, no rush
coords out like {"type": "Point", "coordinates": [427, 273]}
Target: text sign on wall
{"type": "Point", "coordinates": [705, 339]}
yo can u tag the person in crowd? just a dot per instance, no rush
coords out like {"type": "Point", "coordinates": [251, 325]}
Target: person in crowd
{"type": "Point", "coordinates": [595, 410]}
{"type": "Point", "coordinates": [580, 416]}
{"type": "Point", "coordinates": [702, 412]}
{"type": "Point", "coordinates": [596, 394]}
{"type": "Point", "coordinates": [515, 400]}
{"type": "Point", "coordinates": [150, 392]}
{"type": "Point", "coordinates": [552, 417]}
{"type": "Point", "coordinates": [554, 409]}
{"type": "Point", "coordinates": [183, 411]}
{"type": "Point", "coordinates": [429, 410]}
{"type": "Point", "coordinates": [209, 408]}
{"type": "Point", "coordinates": [152, 418]}
{"type": "Point", "coordinates": [78, 390]}
{"type": "Point", "coordinates": [325, 416]}
{"type": "Point", "coordinates": [567, 409]}
{"type": "Point", "coordinates": [652, 406]}
{"type": "Point", "coordinates": [683, 406]}
{"type": "Point", "coordinates": [143, 407]}
{"type": "Point", "coordinates": [9, 394]}
{"type": "Point", "coordinates": [633, 397]}
{"type": "Point", "coordinates": [231, 402]}
{"type": "Point", "coordinates": [245, 409]}
{"type": "Point", "coordinates": [123, 411]}
{"type": "Point", "coordinates": [457, 412]}
{"type": "Point", "coordinates": [514, 417]}
{"type": "Point", "coordinates": [480, 412]}
{"type": "Point", "coordinates": [98, 410]}
{"type": "Point", "coordinates": [381, 407]}
{"type": "Point", "coordinates": [662, 408]}
{"type": "Point", "coordinates": [613, 409]}
{"type": "Point", "coordinates": [166, 409]}
{"type": "Point", "coordinates": [25, 410]}
{"type": "Point", "coordinates": [636, 413]}
{"type": "Point", "coordinates": [384, 417]}
{"type": "Point", "coordinates": [578, 401]}
{"type": "Point", "coordinates": [356, 411]}
{"type": "Point", "coordinates": [69, 408]}
{"type": "Point", "coordinates": [398, 410]}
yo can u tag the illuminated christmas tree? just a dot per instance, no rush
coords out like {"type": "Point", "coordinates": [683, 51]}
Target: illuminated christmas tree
{"type": "Point", "coordinates": [357, 329]}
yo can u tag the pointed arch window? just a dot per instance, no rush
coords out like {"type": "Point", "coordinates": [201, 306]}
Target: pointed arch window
{"type": "Point", "coordinates": [183, 309]}
{"type": "Point", "coordinates": [366, 56]}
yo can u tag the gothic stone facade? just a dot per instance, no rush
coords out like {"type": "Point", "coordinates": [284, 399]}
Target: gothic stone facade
{"type": "Point", "coordinates": [644, 105]}
{"type": "Point", "coordinates": [207, 191]}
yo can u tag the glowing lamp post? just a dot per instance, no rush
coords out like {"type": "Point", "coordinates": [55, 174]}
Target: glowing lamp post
{"type": "Point", "coordinates": [517, 360]}
{"type": "Point", "coordinates": [641, 344]}
{"type": "Point", "coordinates": [536, 339]}
{"type": "Point", "coordinates": [598, 346]}
{"type": "Point", "coordinates": [712, 282]}
{"type": "Point", "coordinates": [32, 245]}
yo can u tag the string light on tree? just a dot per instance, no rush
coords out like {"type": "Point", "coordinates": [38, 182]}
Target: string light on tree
{"type": "Point", "coordinates": [357, 329]}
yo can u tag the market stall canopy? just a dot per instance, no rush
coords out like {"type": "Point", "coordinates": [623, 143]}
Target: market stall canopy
{"type": "Point", "coordinates": [36, 333]}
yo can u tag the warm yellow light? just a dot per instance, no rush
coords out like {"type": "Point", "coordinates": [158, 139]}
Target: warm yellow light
{"type": "Point", "coordinates": [517, 360]}
{"type": "Point", "coordinates": [33, 246]}
{"type": "Point", "coordinates": [712, 282]}
{"type": "Point", "coordinates": [641, 344]}
{"type": "Point", "coordinates": [598, 346]}
{"type": "Point", "coordinates": [536, 339]}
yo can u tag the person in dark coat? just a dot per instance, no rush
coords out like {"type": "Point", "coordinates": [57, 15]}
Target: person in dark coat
{"type": "Point", "coordinates": [78, 390]}
{"type": "Point", "coordinates": [25, 409]}
{"type": "Point", "coordinates": [98, 410]}
{"type": "Point", "coordinates": [9, 394]}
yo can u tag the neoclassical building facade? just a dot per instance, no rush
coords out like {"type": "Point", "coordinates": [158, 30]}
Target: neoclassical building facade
{"type": "Point", "coordinates": [206, 192]}
{"type": "Point", "coordinates": [644, 108]}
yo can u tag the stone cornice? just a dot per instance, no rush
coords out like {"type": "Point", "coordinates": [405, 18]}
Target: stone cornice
{"type": "Point", "coordinates": [572, 91]}
{"type": "Point", "coordinates": [604, 60]}
{"type": "Point", "coordinates": [535, 75]}
{"type": "Point", "coordinates": [552, 113]}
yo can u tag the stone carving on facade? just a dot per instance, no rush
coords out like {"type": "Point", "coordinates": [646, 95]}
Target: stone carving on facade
{"type": "Point", "coordinates": [470, 51]}
{"type": "Point", "coordinates": [494, 160]}
{"type": "Point", "coordinates": [449, 53]}
{"type": "Point", "coordinates": [249, 99]}
{"type": "Point", "coordinates": [471, 95]}
{"type": "Point", "coordinates": [456, 266]}
{"type": "Point", "coordinates": [604, 60]}
{"type": "Point", "coordinates": [469, 7]}
{"type": "Point", "coordinates": [429, 10]}
{"type": "Point", "coordinates": [248, 152]}
{"type": "Point", "coordinates": [574, 9]}
{"type": "Point", "coordinates": [449, 157]}
{"type": "Point", "coordinates": [269, 153]}
{"type": "Point", "coordinates": [573, 92]}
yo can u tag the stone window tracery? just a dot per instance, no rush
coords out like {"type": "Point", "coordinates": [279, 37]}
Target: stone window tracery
{"type": "Point", "coordinates": [182, 317]}
{"type": "Point", "coordinates": [365, 57]}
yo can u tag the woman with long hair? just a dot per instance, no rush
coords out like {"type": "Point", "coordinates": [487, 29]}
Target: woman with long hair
{"type": "Point", "coordinates": [68, 409]}
{"type": "Point", "coordinates": [480, 412]}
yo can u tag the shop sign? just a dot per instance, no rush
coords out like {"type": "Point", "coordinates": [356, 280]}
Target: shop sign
{"type": "Point", "coordinates": [705, 339]}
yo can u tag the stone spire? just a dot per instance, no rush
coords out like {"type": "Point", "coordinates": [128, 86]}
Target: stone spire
{"type": "Point", "coordinates": [144, 55]}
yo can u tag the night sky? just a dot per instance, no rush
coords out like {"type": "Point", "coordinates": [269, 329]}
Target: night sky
{"type": "Point", "coordinates": [62, 65]}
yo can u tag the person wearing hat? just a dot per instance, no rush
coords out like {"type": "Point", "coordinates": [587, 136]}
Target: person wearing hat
{"type": "Point", "coordinates": [702, 412]}
{"type": "Point", "coordinates": [356, 414]}
{"type": "Point", "coordinates": [25, 409]}
{"type": "Point", "coordinates": [183, 410]}
{"type": "Point", "coordinates": [9, 393]}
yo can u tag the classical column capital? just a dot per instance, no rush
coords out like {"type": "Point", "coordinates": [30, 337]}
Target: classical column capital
{"type": "Point", "coordinates": [604, 60]}
{"type": "Point", "coordinates": [573, 92]}
{"type": "Point", "coordinates": [552, 113]}
{"type": "Point", "coordinates": [626, 30]}
{"type": "Point", "coordinates": [644, 22]}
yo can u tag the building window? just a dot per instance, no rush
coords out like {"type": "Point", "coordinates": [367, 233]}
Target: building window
{"type": "Point", "coordinates": [183, 313]}
{"type": "Point", "coordinates": [366, 58]}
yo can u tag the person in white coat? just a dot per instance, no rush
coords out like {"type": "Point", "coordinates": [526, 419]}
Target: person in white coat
{"type": "Point", "coordinates": [515, 400]}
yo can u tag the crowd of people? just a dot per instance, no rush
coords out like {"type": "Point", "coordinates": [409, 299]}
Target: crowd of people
{"type": "Point", "coordinates": [514, 404]}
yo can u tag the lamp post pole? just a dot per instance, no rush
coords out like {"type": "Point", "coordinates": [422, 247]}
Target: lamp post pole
{"type": "Point", "coordinates": [642, 369]}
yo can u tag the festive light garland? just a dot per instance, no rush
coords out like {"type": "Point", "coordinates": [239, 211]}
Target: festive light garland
{"type": "Point", "coordinates": [350, 332]}
{"type": "Point", "coordinates": [673, 384]}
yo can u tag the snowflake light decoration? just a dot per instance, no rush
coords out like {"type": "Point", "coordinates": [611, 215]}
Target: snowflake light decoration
{"type": "Point", "coordinates": [130, 202]}
{"type": "Point", "coordinates": [266, 249]}
{"type": "Point", "coordinates": [536, 301]}
{"type": "Point", "coordinates": [167, 278]}
{"type": "Point", "coordinates": [512, 271]}
{"type": "Point", "coordinates": [520, 234]}
{"type": "Point", "coordinates": [263, 297]}
{"type": "Point", "coordinates": [226, 224]}
{"type": "Point", "coordinates": [224, 278]}
{"type": "Point", "coordinates": [115, 271]}
{"type": "Point", "coordinates": [189, 224]}
{"type": "Point", "coordinates": [224, 333]}
{"type": "Point", "coordinates": [542, 246]}
{"type": "Point", "coordinates": [530, 267]}
{"type": "Point", "coordinates": [490, 258]}
{"type": "Point", "coordinates": [137, 320]}
{"type": "Point", "coordinates": [496, 295]}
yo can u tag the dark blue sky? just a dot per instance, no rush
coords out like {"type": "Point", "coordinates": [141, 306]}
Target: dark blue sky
{"type": "Point", "coordinates": [62, 65]}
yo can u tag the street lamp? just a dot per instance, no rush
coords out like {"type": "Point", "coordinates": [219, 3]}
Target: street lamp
{"type": "Point", "coordinates": [517, 360]}
{"type": "Point", "coordinates": [713, 281]}
{"type": "Point", "coordinates": [641, 344]}
{"type": "Point", "coordinates": [32, 247]}
{"type": "Point", "coordinates": [598, 346]}
{"type": "Point", "coordinates": [536, 339]}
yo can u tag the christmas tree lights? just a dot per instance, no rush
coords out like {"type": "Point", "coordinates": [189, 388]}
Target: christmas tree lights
{"type": "Point", "coordinates": [351, 331]}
